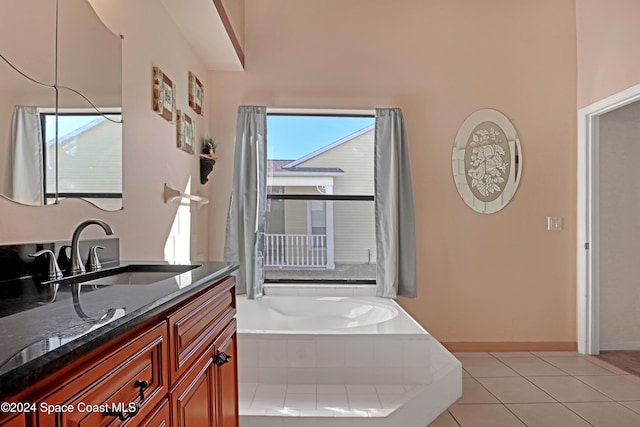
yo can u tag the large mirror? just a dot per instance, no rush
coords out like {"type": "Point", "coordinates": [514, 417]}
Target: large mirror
{"type": "Point", "coordinates": [487, 161]}
{"type": "Point", "coordinates": [53, 143]}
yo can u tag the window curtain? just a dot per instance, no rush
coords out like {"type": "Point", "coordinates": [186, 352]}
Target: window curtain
{"type": "Point", "coordinates": [246, 220]}
{"type": "Point", "coordinates": [394, 215]}
{"type": "Point", "coordinates": [23, 180]}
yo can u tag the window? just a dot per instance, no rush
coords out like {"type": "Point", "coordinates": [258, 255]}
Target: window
{"type": "Point", "coordinates": [89, 157]}
{"type": "Point", "coordinates": [320, 189]}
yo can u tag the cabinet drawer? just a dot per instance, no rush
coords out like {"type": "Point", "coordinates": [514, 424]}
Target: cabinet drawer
{"type": "Point", "coordinates": [114, 380]}
{"type": "Point", "coordinates": [193, 327]}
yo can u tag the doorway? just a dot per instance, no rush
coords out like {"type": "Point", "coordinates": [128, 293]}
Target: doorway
{"type": "Point", "coordinates": [606, 224]}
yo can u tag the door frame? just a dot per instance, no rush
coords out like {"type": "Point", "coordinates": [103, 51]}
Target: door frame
{"type": "Point", "coordinates": [588, 292]}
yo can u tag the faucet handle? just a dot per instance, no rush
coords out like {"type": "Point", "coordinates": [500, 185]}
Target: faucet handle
{"type": "Point", "coordinates": [93, 263]}
{"type": "Point", "coordinates": [54, 272]}
{"type": "Point", "coordinates": [64, 260]}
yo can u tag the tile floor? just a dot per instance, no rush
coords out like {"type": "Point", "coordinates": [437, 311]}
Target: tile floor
{"type": "Point", "coordinates": [542, 389]}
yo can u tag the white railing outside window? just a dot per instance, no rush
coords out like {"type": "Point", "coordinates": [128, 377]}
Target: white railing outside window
{"type": "Point", "coordinates": [295, 250]}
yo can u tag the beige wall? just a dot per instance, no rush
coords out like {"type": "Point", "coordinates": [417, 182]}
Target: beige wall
{"type": "Point", "coordinates": [607, 35]}
{"type": "Point", "coordinates": [150, 154]}
{"type": "Point", "coordinates": [499, 277]}
{"type": "Point", "coordinates": [619, 233]}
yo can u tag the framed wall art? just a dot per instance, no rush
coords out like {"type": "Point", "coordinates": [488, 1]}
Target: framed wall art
{"type": "Point", "coordinates": [164, 95]}
{"type": "Point", "coordinates": [196, 93]}
{"type": "Point", "coordinates": [185, 132]}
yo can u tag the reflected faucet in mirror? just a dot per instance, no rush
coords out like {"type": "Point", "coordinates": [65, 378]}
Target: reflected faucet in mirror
{"type": "Point", "coordinates": [76, 263]}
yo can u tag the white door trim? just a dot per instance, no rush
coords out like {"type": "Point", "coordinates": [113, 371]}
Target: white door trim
{"type": "Point", "coordinates": [588, 307]}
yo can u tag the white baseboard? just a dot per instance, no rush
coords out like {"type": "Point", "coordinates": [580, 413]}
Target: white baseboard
{"type": "Point", "coordinates": [620, 346]}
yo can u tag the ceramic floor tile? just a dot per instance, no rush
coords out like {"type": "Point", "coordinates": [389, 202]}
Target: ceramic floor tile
{"type": "Point", "coordinates": [444, 420]}
{"type": "Point", "coordinates": [633, 405]}
{"type": "Point", "coordinates": [515, 390]}
{"type": "Point", "coordinates": [526, 366]}
{"type": "Point", "coordinates": [474, 392]}
{"type": "Point", "coordinates": [556, 353]}
{"type": "Point", "coordinates": [484, 416]}
{"type": "Point", "coordinates": [606, 414]}
{"type": "Point", "coordinates": [487, 367]}
{"type": "Point", "coordinates": [608, 366]}
{"type": "Point", "coordinates": [617, 387]}
{"type": "Point", "coordinates": [576, 365]}
{"type": "Point", "coordinates": [568, 389]}
{"type": "Point", "coordinates": [546, 415]}
{"type": "Point", "coordinates": [510, 354]}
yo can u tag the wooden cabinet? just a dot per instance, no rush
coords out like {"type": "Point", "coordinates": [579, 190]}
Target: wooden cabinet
{"type": "Point", "coordinates": [179, 369]}
{"type": "Point", "coordinates": [131, 380]}
{"type": "Point", "coordinates": [227, 376]}
{"type": "Point", "coordinates": [19, 420]}
{"type": "Point", "coordinates": [160, 417]}
{"type": "Point", "coordinates": [194, 398]}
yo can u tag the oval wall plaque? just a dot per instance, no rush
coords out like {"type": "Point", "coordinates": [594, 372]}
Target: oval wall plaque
{"type": "Point", "coordinates": [486, 161]}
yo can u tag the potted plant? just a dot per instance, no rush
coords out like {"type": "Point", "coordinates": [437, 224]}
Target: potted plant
{"type": "Point", "coordinates": [207, 157]}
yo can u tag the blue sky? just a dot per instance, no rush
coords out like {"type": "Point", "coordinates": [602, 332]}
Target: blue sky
{"type": "Point", "coordinates": [292, 137]}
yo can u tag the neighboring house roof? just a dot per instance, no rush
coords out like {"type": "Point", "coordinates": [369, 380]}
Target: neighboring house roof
{"type": "Point", "coordinates": [326, 148]}
{"type": "Point", "coordinates": [280, 168]}
{"type": "Point", "coordinates": [76, 132]}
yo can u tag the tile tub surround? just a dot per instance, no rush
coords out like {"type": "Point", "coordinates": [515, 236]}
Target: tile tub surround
{"type": "Point", "coordinates": [360, 376]}
{"type": "Point", "coordinates": [563, 389]}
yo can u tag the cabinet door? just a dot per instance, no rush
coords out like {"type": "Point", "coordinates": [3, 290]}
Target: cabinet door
{"type": "Point", "coordinates": [227, 366]}
{"type": "Point", "coordinates": [194, 398]}
{"type": "Point", "coordinates": [19, 420]}
{"type": "Point", "coordinates": [160, 417]}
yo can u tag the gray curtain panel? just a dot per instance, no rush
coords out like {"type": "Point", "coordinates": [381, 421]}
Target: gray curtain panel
{"type": "Point", "coordinates": [23, 181]}
{"type": "Point", "coordinates": [244, 241]}
{"type": "Point", "coordinates": [395, 220]}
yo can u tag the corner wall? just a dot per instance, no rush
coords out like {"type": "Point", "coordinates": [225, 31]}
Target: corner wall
{"type": "Point", "coordinates": [607, 37]}
{"type": "Point", "coordinates": [482, 278]}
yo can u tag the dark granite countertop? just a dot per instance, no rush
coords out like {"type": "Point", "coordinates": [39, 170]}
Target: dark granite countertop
{"type": "Point", "coordinates": [40, 334]}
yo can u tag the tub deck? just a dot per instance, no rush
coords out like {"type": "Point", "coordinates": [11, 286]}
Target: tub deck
{"type": "Point", "coordinates": [388, 374]}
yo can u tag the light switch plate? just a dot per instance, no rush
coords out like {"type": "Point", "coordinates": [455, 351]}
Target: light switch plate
{"type": "Point", "coordinates": [554, 223]}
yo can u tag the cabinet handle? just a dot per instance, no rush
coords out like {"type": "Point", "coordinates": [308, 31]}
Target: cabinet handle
{"type": "Point", "coordinates": [135, 406]}
{"type": "Point", "coordinates": [221, 358]}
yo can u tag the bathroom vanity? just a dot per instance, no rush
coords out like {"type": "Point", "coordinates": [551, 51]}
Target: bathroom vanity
{"type": "Point", "coordinates": [156, 351]}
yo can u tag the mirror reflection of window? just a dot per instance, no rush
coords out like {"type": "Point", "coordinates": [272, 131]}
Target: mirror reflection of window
{"type": "Point", "coordinates": [89, 156]}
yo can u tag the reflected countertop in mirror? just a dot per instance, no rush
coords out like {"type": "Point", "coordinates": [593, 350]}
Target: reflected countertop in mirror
{"type": "Point", "coordinates": [83, 159]}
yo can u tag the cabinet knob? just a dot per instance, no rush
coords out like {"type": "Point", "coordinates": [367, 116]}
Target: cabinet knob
{"type": "Point", "coordinates": [221, 358]}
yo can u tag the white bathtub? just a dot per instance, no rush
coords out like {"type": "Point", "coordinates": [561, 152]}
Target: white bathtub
{"type": "Point", "coordinates": [335, 341]}
{"type": "Point", "coordinates": [323, 315]}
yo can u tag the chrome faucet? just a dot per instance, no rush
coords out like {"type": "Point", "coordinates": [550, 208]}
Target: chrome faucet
{"type": "Point", "coordinates": [76, 263]}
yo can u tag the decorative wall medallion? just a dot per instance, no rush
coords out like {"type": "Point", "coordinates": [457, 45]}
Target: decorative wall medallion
{"type": "Point", "coordinates": [164, 95]}
{"type": "Point", "coordinates": [487, 161]}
